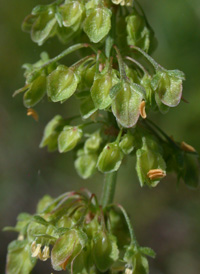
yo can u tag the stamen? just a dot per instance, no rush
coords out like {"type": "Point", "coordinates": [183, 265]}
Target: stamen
{"type": "Point", "coordinates": [142, 110]}
{"type": "Point", "coordinates": [45, 254]}
{"type": "Point", "coordinates": [156, 174]}
{"type": "Point", "coordinates": [37, 251]}
{"type": "Point", "coordinates": [128, 271]}
{"type": "Point", "coordinates": [33, 113]}
{"type": "Point", "coordinates": [20, 237]}
{"type": "Point", "coordinates": [187, 147]}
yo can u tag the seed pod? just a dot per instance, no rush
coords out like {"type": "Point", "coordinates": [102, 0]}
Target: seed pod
{"type": "Point", "coordinates": [97, 23]}
{"type": "Point", "coordinates": [126, 105]}
{"type": "Point", "coordinates": [100, 90]}
{"type": "Point", "coordinates": [150, 164]}
{"type": "Point", "coordinates": [69, 138]}
{"type": "Point", "coordinates": [51, 133]}
{"type": "Point", "coordinates": [35, 92]}
{"type": "Point", "coordinates": [138, 33]}
{"type": "Point", "coordinates": [110, 158]}
{"type": "Point", "coordinates": [168, 85]}
{"type": "Point", "coordinates": [104, 250]}
{"type": "Point", "coordinates": [44, 26]}
{"type": "Point", "coordinates": [67, 247]}
{"type": "Point", "coordinates": [61, 83]}
{"type": "Point", "coordinates": [86, 165]}
{"type": "Point", "coordinates": [127, 143]}
{"type": "Point", "coordinates": [71, 12]}
{"type": "Point", "coordinates": [92, 144]}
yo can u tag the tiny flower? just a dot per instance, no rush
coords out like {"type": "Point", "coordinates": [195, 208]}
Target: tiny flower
{"type": "Point", "coordinates": [128, 271]}
{"type": "Point", "coordinates": [33, 113]}
{"type": "Point", "coordinates": [156, 174]}
{"type": "Point", "coordinates": [142, 110]}
{"type": "Point", "coordinates": [187, 147]}
{"type": "Point", "coordinates": [45, 253]}
{"type": "Point", "coordinates": [36, 250]}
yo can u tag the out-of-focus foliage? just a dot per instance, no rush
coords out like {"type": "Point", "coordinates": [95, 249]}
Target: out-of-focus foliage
{"type": "Point", "coordinates": [166, 219]}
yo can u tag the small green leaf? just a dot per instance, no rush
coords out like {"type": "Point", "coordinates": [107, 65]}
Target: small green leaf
{"type": "Point", "coordinates": [69, 138]}
{"type": "Point", "coordinates": [86, 165]}
{"type": "Point", "coordinates": [18, 259]}
{"type": "Point", "coordinates": [36, 92]}
{"type": "Point", "coordinates": [126, 105]}
{"type": "Point", "coordinates": [38, 219]}
{"type": "Point", "coordinates": [148, 251]}
{"type": "Point", "coordinates": [61, 83]}
{"type": "Point", "coordinates": [110, 158]}
{"type": "Point", "coordinates": [97, 23]}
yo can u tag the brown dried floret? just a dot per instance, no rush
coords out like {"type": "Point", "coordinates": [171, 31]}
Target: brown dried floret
{"type": "Point", "coordinates": [142, 110]}
{"type": "Point", "coordinates": [33, 113]}
{"type": "Point", "coordinates": [187, 147]}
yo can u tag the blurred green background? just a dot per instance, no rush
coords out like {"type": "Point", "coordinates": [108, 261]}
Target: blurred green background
{"type": "Point", "coordinates": [166, 218]}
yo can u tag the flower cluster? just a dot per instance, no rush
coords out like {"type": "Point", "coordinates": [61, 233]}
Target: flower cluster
{"type": "Point", "coordinates": [118, 84]}
{"type": "Point", "coordinates": [75, 233]}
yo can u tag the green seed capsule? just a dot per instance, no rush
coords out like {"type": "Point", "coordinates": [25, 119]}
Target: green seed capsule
{"type": "Point", "coordinates": [126, 104]}
{"type": "Point", "coordinates": [104, 250]}
{"type": "Point", "coordinates": [67, 247]}
{"type": "Point", "coordinates": [97, 23]}
{"type": "Point", "coordinates": [168, 86]}
{"type": "Point", "coordinates": [71, 12]}
{"type": "Point", "coordinates": [86, 165]}
{"type": "Point", "coordinates": [61, 83]}
{"type": "Point", "coordinates": [51, 133]}
{"type": "Point", "coordinates": [110, 158]}
{"type": "Point", "coordinates": [69, 138]}
{"type": "Point", "coordinates": [92, 144]}
{"type": "Point", "coordinates": [44, 26]}
{"type": "Point", "coordinates": [127, 143]}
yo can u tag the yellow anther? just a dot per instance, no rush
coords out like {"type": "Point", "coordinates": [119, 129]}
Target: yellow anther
{"type": "Point", "coordinates": [142, 110]}
{"type": "Point", "coordinates": [188, 148]}
{"type": "Point", "coordinates": [20, 237]}
{"type": "Point", "coordinates": [156, 174]}
{"type": "Point", "coordinates": [33, 113]}
{"type": "Point", "coordinates": [123, 2]}
{"type": "Point", "coordinates": [36, 250]}
{"type": "Point", "coordinates": [128, 271]}
{"type": "Point", "coordinates": [45, 254]}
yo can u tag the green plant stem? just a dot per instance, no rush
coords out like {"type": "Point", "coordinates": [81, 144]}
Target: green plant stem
{"type": "Point", "coordinates": [108, 189]}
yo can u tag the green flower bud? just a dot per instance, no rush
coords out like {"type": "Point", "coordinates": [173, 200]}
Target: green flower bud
{"type": "Point", "coordinates": [67, 247]}
{"type": "Point", "coordinates": [168, 85]}
{"type": "Point", "coordinates": [104, 250]}
{"type": "Point", "coordinates": [35, 92]}
{"type": "Point", "coordinates": [126, 104]}
{"type": "Point", "coordinates": [87, 107]}
{"type": "Point", "coordinates": [136, 262]}
{"type": "Point", "coordinates": [43, 203]}
{"type": "Point", "coordinates": [97, 23]}
{"type": "Point", "coordinates": [100, 90]}
{"type": "Point", "coordinates": [127, 143]}
{"type": "Point", "coordinates": [110, 158]}
{"type": "Point", "coordinates": [86, 165]}
{"type": "Point", "coordinates": [71, 12]}
{"type": "Point", "coordinates": [35, 229]}
{"type": "Point", "coordinates": [44, 26]}
{"type": "Point", "coordinates": [138, 33]}
{"type": "Point", "coordinates": [92, 144]}
{"type": "Point", "coordinates": [65, 222]}
{"type": "Point", "coordinates": [69, 138]}
{"type": "Point", "coordinates": [51, 133]}
{"type": "Point", "coordinates": [150, 164]}
{"type": "Point", "coordinates": [19, 260]}
{"type": "Point", "coordinates": [61, 83]}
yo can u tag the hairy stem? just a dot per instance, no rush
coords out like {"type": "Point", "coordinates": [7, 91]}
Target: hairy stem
{"type": "Point", "coordinates": [108, 189]}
